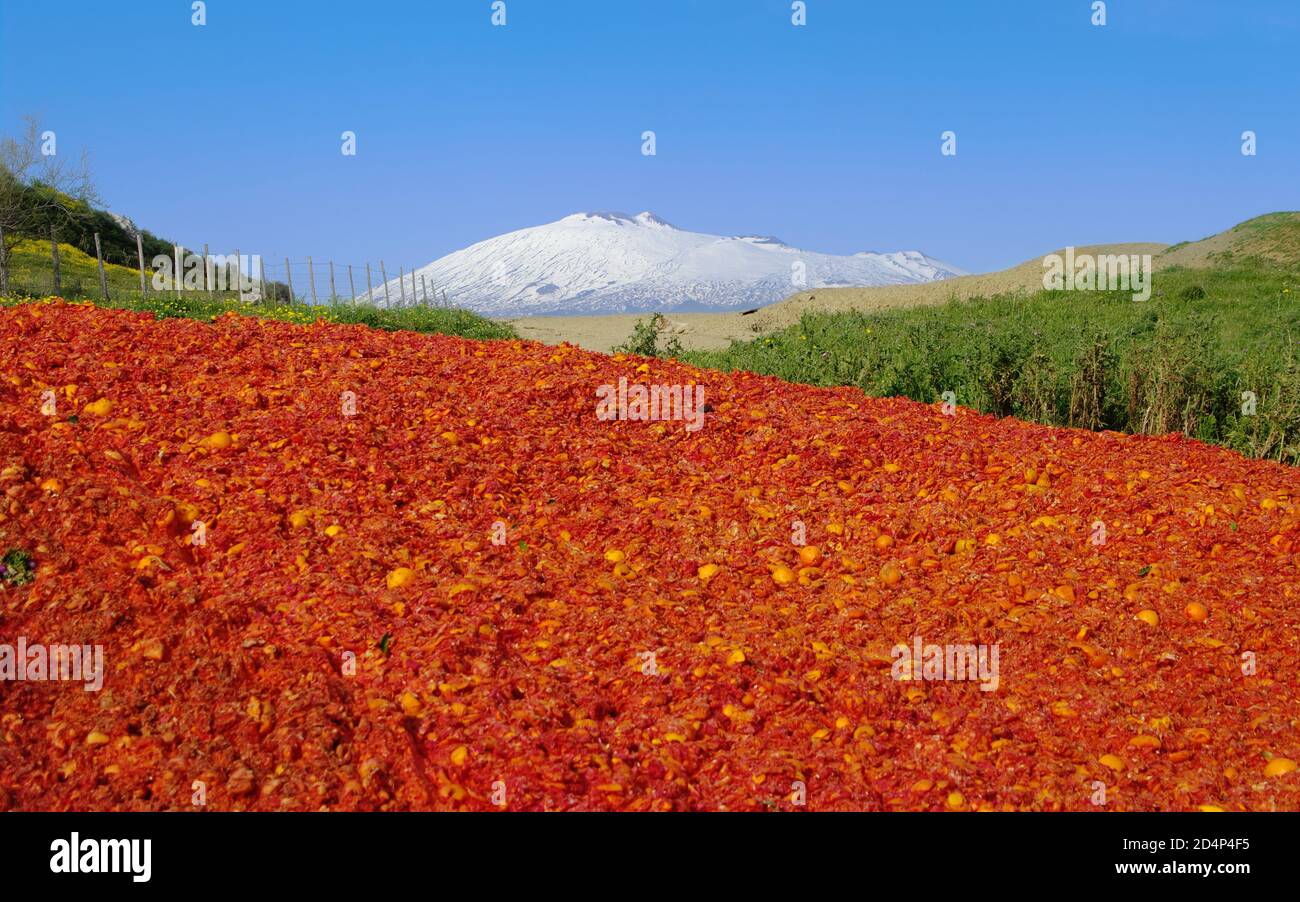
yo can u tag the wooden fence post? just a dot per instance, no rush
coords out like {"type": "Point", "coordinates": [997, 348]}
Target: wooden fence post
{"type": "Point", "coordinates": [54, 251]}
{"type": "Point", "coordinates": [334, 297]}
{"type": "Point", "coordinates": [401, 286]}
{"type": "Point", "coordinates": [99, 260]}
{"type": "Point", "coordinates": [383, 274]}
{"type": "Point", "coordinates": [239, 275]}
{"type": "Point", "coordinates": [261, 279]}
{"type": "Point", "coordinates": [352, 287]}
{"type": "Point", "coordinates": [288, 277]}
{"type": "Point", "coordinates": [370, 291]}
{"type": "Point", "coordinates": [139, 252]}
{"type": "Point", "coordinates": [311, 277]}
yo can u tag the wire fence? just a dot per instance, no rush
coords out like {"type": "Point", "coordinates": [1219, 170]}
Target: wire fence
{"type": "Point", "coordinates": [312, 281]}
{"type": "Point", "coordinates": [35, 270]}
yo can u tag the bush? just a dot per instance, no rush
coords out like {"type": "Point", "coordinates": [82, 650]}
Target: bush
{"type": "Point", "coordinates": [644, 340]}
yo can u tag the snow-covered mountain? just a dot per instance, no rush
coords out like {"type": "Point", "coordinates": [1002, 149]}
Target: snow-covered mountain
{"type": "Point", "coordinates": [615, 263]}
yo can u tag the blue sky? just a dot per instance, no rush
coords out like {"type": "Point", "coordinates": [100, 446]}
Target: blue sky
{"type": "Point", "coordinates": [826, 135]}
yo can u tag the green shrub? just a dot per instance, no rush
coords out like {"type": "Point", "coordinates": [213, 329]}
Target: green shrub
{"type": "Point", "coordinates": [1175, 363]}
{"type": "Point", "coordinates": [17, 567]}
{"type": "Point", "coordinates": [644, 340]}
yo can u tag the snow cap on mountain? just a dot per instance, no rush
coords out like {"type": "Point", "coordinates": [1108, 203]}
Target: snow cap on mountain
{"type": "Point", "coordinates": [612, 262]}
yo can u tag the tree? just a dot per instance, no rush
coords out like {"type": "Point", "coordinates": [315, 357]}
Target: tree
{"type": "Point", "coordinates": [39, 191]}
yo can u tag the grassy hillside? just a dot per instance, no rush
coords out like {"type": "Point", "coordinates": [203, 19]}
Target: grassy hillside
{"type": "Point", "coordinates": [1273, 238]}
{"type": "Point", "coordinates": [77, 223]}
{"type": "Point", "coordinates": [1024, 278]}
{"type": "Point", "coordinates": [1179, 362]}
{"type": "Point", "coordinates": [30, 278]}
{"type": "Point", "coordinates": [31, 272]}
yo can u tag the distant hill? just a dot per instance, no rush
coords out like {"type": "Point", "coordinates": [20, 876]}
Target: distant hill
{"type": "Point", "coordinates": [1273, 237]}
{"type": "Point", "coordinates": [1025, 277]}
{"type": "Point", "coordinates": [116, 232]}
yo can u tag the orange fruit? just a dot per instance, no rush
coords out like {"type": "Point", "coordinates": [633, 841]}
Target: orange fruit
{"type": "Point", "coordinates": [810, 554]}
{"type": "Point", "coordinates": [783, 575]}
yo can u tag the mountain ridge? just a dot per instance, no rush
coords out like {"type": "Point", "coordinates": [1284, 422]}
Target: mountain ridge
{"type": "Point", "coordinates": [613, 262]}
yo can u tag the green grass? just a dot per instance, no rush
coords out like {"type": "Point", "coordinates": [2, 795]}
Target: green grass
{"type": "Point", "coordinates": [31, 273]}
{"type": "Point", "coordinates": [1178, 362]}
{"type": "Point", "coordinates": [1273, 236]}
{"type": "Point", "coordinates": [30, 277]}
{"type": "Point", "coordinates": [419, 319]}
{"type": "Point", "coordinates": [437, 320]}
